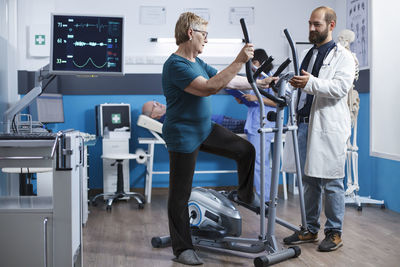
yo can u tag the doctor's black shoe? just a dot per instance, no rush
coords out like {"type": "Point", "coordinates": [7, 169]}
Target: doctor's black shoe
{"type": "Point", "coordinates": [332, 242]}
{"type": "Point", "coordinates": [303, 236]}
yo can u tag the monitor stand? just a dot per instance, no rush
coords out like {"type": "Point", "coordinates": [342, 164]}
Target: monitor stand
{"type": "Point", "coordinates": [26, 100]}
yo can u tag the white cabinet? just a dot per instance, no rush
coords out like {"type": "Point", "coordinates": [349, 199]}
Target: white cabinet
{"type": "Point", "coordinates": [26, 231]}
{"type": "Point", "coordinates": [43, 230]}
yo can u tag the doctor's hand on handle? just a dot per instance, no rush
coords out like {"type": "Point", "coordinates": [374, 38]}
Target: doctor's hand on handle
{"type": "Point", "coordinates": [300, 81]}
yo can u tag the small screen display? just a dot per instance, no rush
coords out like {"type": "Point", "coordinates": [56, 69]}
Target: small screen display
{"type": "Point", "coordinates": [116, 116]}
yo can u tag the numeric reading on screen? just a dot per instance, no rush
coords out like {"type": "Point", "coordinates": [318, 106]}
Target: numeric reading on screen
{"type": "Point", "coordinates": [87, 44]}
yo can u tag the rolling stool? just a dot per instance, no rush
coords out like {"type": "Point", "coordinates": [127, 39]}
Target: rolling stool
{"type": "Point", "coordinates": [120, 193]}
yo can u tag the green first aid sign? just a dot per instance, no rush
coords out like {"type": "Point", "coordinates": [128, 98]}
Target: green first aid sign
{"type": "Point", "coordinates": [116, 118]}
{"type": "Point", "coordinates": [40, 39]}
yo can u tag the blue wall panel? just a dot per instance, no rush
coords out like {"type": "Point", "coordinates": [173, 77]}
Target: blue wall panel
{"type": "Point", "coordinates": [385, 182]}
{"type": "Point", "coordinates": [378, 178]}
{"type": "Point", "coordinates": [364, 160]}
{"type": "Point", "coordinates": [80, 115]}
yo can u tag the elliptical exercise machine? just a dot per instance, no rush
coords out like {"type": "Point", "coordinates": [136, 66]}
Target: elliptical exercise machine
{"type": "Point", "coordinates": [215, 221]}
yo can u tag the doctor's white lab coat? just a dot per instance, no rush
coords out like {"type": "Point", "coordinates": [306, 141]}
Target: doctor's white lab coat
{"type": "Point", "coordinates": [329, 126]}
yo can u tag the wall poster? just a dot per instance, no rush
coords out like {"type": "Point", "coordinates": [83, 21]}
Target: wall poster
{"type": "Point", "coordinates": [357, 21]}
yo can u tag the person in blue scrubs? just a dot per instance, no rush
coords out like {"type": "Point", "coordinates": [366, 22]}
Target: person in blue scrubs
{"type": "Point", "coordinates": [188, 82]}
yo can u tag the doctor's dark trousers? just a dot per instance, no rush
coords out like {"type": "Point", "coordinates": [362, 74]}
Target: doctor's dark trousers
{"type": "Point", "coordinates": [221, 142]}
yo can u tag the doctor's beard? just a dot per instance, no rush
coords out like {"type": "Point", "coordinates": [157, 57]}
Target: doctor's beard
{"type": "Point", "coordinates": [316, 37]}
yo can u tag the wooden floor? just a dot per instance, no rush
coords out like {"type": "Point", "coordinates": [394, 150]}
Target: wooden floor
{"type": "Point", "coordinates": [122, 237]}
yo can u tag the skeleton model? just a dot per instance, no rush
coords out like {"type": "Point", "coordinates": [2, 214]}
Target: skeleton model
{"type": "Point", "coordinates": [345, 38]}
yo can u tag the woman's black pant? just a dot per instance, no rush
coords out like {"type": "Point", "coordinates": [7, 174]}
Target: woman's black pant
{"type": "Point", "coordinates": [221, 142]}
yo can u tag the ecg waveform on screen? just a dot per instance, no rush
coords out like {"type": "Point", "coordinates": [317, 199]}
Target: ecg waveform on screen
{"type": "Point", "coordinates": [80, 43]}
{"type": "Point", "coordinates": [87, 62]}
{"type": "Point", "coordinates": [98, 25]}
{"type": "Point", "coordinates": [87, 25]}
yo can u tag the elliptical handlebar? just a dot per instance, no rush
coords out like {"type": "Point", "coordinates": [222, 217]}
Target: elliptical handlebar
{"type": "Point", "coordinates": [293, 121]}
{"type": "Point", "coordinates": [274, 255]}
{"type": "Point", "coordinates": [263, 67]}
{"type": "Point", "coordinates": [251, 80]}
{"type": "Point", "coordinates": [282, 67]}
{"type": "Point", "coordinates": [293, 49]}
{"type": "Point", "coordinates": [251, 77]}
{"type": "Point", "coordinates": [249, 72]}
{"type": "Point", "coordinates": [280, 101]}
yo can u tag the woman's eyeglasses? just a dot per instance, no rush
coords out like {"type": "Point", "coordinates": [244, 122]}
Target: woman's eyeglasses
{"type": "Point", "coordinates": [204, 33]}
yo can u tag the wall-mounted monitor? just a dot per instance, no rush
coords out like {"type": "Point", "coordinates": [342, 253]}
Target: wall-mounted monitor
{"type": "Point", "coordinates": [87, 44]}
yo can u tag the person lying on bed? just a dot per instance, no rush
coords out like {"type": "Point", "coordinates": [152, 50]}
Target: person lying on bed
{"type": "Point", "coordinates": [156, 110]}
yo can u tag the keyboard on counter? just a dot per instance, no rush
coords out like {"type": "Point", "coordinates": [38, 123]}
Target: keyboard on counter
{"type": "Point", "coordinates": [28, 136]}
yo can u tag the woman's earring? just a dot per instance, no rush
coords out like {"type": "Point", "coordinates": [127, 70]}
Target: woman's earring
{"type": "Point", "coordinates": [190, 39]}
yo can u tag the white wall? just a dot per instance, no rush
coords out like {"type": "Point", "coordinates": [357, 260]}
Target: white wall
{"type": "Point", "coordinates": [385, 81]}
{"type": "Point", "coordinates": [8, 52]}
{"type": "Point", "coordinates": [8, 74]}
{"type": "Point", "coordinates": [3, 55]}
{"type": "Point", "coordinates": [32, 13]}
{"type": "Point", "coordinates": [3, 76]}
{"type": "Point", "coordinates": [271, 17]}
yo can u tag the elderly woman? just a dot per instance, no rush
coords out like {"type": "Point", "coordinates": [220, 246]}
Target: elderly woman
{"type": "Point", "coordinates": [187, 84]}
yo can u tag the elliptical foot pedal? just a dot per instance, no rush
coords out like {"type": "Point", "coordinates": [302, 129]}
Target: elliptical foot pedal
{"type": "Point", "coordinates": [233, 196]}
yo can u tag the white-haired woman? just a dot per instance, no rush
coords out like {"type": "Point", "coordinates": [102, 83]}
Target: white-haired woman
{"type": "Point", "coordinates": [187, 84]}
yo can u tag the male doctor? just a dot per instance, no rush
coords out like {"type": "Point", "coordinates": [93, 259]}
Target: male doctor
{"type": "Point", "coordinates": [324, 128]}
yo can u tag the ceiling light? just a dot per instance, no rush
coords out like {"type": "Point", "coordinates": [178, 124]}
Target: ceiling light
{"type": "Point", "coordinates": [211, 40]}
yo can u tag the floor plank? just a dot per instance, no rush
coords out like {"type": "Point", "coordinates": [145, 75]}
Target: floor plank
{"type": "Point", "coordinates": [122, 237]}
